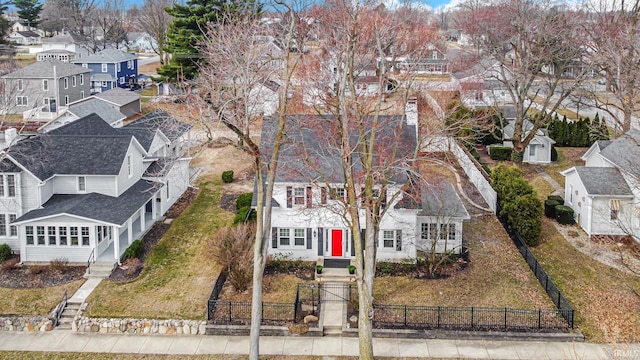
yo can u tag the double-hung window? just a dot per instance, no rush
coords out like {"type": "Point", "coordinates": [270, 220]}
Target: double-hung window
{"type": "Point", "coordinates": [284, 237]}
{"type": "Point", "coordinates": [82, 184]}
{"type": "Point", "coordinates": [298, 237]}
{"type": "Point", "coordinates": [392, 239]}
{"type": "Point", "coordinates": [298, 196]}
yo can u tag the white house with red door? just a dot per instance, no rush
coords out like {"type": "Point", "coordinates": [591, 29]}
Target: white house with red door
{"type": "Point", "coordinates": [309, 218]}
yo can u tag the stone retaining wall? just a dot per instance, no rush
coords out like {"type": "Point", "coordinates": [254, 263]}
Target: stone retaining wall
{"type": "Point", "coordinates": [139, 326]}
{"type": "Point", "coordinates": [25, 323]}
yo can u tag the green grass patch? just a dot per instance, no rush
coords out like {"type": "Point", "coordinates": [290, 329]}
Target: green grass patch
{"type": "Point", "coordinates": [39, 301]}
{"type": "Point", "coordinates": [603, 297]}
{"type": "Point", "coordinates": [178, 274]}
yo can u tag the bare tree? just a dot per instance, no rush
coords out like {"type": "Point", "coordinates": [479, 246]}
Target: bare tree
{"type": "Point", "coordinates": [109, 25]}
{"type": "Point", "coordinates": [362, 48]}
{"type": "Point", "coordinates": [76, 15]}
{"type": "Point", "coordinates": [155, 21]}
{"type": "Point", "coordinates": [542, 59]}
{"type": "Point", "coordinates": [614, 44]}
{"type": "Point", "coordinates": [237, 62]}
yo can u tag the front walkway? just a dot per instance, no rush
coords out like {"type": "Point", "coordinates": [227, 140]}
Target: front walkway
{"type": "Point", "coordinates": [67, 341]}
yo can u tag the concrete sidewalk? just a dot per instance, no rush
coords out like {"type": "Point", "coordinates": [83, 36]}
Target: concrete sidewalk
{"type": "Point", "coordinates": [66, 341]}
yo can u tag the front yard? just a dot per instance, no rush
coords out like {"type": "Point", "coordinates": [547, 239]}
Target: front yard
{"type": "Point", "coordinates": [34, 301]}
{"type": "Point", "coordinates": [497, 276]}
{"type": "Point", "coordinates": [178, 274]}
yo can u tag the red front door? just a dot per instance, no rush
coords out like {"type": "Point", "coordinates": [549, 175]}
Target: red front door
{"type": "Point", "coordinates": [336, 242]}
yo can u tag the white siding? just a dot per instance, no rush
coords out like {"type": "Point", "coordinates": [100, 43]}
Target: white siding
{"type": "Point", "coordinates": [125, 181]}
{"type": "Point", "coordinates": [158, 146]}
{"type": "Point", "coordinates": [601, 223]}
{"type": "Point", "coordinates": [68, 184]}
{"type": "Point", "coordinates": [178, 178]}
{"type": "Point", "coordinates": [576, 198]}
{"type": "Point", "coordinates": [29, 190]}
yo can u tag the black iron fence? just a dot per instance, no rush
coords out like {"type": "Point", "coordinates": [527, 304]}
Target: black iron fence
{"type": "Point", "coordinates": [239, 313]}
{"type": "Point", "coordinates": [561, 303]}
{"type": "Point", "coordinates": [215, 293]}
{"type": "Point", "coordinates": [468, 318]}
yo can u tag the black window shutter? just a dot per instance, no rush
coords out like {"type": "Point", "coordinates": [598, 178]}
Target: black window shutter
{"type": "Point", "coordinates": [274, 237]}
{"type": "Point", "coordinates": [289, 197]}
{"type": "Point", "coordinates": [398, 240]}
{"type": "Point", "coordinates": [320, 242]}
{"type": "Point", "coordinates": [309, 197]}
{"type": "Point", "coordinates": [353, 248]}
{"type": "Point", "coordinates": [309, 239]}
{"type": "Point", "coordinates": [383, 201]}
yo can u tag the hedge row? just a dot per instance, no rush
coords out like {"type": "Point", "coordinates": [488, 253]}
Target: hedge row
{"type": "Point", "coordinates": [554, 208]}
{"type": "Point", "coordinates": [519, 204]}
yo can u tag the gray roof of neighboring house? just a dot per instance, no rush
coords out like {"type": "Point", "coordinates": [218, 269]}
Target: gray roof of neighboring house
{"type": "Point", "coordinates": [603, 144]}
{"type": "Point", "coordinates": [311, 151]}
{"type": "Point", "coordinates": [103, 77]}
{"type": "Point", "coordinates": [57, 51]}
{"type": "Point", "coordinates": [28, 34]}
{"type": "Point", "coordinates": [108, 56]}
{"type": "Point", "coordinates": [91, 124]}
{"type": "Point", "coordinates": [119, 96]}
{"type": "Point", "coordinates": [509, 129]}
{"type": "Point", "coordinates": [100, 207]}
{"type": "Point", "coordinates": [624, 152]}
{"type": "Point", "coordinates": [147, 124]}
{"type": "Point", "coordinates": [603, 181]}
{"type": "Point", "coordinates": [96, 106]}
{"type": "Point", "coordinates": [65, 39]}
{"type": "Point", "coordinates": [44, 70]}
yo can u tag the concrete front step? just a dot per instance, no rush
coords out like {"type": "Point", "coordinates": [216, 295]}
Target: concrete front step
{"type": "Point", "coordinates": [99, 270]}
{"type": "Point", "coordinates": [332, 331]}
{"type": "Point", "coordinates": [335, 275]}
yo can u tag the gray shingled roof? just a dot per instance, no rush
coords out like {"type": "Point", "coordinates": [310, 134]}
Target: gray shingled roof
{"type": "Point", "coordinates": [65, 39]}
{"type": "Point", "coordinates": [147, 125]}
{"type": "Point", "coordinates": [57, 51]}
{"type": "Point", "coordinates": [99, 207]}
{"type": "Point", "coordinates": [312, 151]}
{"type": "Point", "coordinates": [603, 181]}
{"type": "Point", "coordinates": [442, 200]}
{"type": "Point", "coordinates": [96, 106]}
{"type": "Point", "coordinates": [107, 56]}
{"type": "Point", "coordinates": [91, 124]}
{"type": "Point", "coordinates": [119, 96]}
{"type": "Point", "coordinates": [603, 144]}
{"type": "Point", "coordinates": [28, 34]}
{"type": "Point", "coordinates": [49, 154]}
{"type": "Point", "coordinates": [624, 152]}
{"type": "Point", "coordinates": [44, 70]}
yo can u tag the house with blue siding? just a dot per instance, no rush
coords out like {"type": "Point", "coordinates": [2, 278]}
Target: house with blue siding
{"type": "Point", "coordinates": [110, 68]}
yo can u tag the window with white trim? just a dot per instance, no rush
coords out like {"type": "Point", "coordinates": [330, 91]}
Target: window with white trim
{"type": "Point", "coordinates": [85, 235]}
{"type": "Point", "coordinates": [73, 81]}
{"type": "Point", "coordinates": [62, 232]}
{"type": "Point", "coordinates": [392, 239]}
{"type": "Point", "coordinates": [40, 235]}
{"type": "Point", "coordinates": [82, 183]}
{"type": "Point", "coordinates": [85, 65]}
{"type": "Point", "coordinates": [29, 234]}
{"type": "Point", "coordinates": [7, 185]}
{"type": "Point", "coordinates": [66, 82]}
{"type": "Point", "coordinates": [298, 196]}
{"type": "Point", "coordinates": [614, 205]}
{"type": "Point", "coordinates": [51, 232]}
{"type": "Point", "coordinates": [119, 67]}
{"type": "Point", "coordinates": [336, 193]}
{"type": "Point", "coordinates": [66, 99]}
{"type": "Point", "coordinates": [82, 94]}
{"type": "Point", "coordinates": [20, 85]}
{"type": "Point", "coordinates": [45, 85]}
{"type": "Point", "coordinates": [22, 101]}
{"type": "Point", "coordinates": [73, 231]}
{"type": "Point", "coordinates": [104, 68]}
{"type": "Point", "coordinates": [13, 230]}
{"type": "Point", "coordinates": [3, 225]}
{"type": "Point", "coordinates": [284, 237]}
{"type": "Point", "coordinates": [104, 84]}
{"type": "Point", "coordinates": [121, 80]}
{"type": "Point", "coordinates": [81, 79]}
{"type": "Point", "coordinates": [299, 237]}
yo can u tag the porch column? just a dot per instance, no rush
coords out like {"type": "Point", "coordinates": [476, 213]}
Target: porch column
{"type": "Point", "coordinates": [154, 207]}
{"type": "Point", "coordinates": [129, 231]}
{"type": "Point", "coordinates": [142, 219]}
{"type": "Point", "coordinates": [22, 232]}
{"type": "Point", "coordinates": [116, 243]}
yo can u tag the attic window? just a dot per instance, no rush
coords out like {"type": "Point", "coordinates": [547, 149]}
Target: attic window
{"type": "Point", "coordinates": [129, 171]}
{"type": "Point", "coordinates": [82, 184]}
{"type": "Point", "coordinates": [615, 209]}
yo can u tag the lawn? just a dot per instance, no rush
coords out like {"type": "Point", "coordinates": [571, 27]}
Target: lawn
{"type": "Point", "coordinates": [37, 301]}
{"type": "Point", "coordinates": [567, 158]}
{"type": "Point", "coordinates": [607, 309]}
{"type": "Point", "coordinates": [178, 274]}
{"type": "Point", "coordinates": [496, 277]}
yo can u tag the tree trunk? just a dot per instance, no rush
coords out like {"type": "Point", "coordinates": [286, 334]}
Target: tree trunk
{"type": "Point", "coordinates": [517, 156]}
{"type": "Point", "coordinates": [258, 268]}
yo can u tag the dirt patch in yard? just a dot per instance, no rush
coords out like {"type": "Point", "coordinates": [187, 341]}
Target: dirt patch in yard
{"type": "Point", "coordinates": [15, 276]}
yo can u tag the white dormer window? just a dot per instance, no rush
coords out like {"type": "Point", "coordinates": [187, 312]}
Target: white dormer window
{"type": "Point", "coordinates": [82, 184]}
{"type": "Point", "coordinates": [104, 68]}
{"type": "Point", "coordinates": [129, 170]}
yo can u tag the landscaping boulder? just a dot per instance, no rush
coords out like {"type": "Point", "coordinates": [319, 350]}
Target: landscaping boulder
{"type": "Point", "coordinates": [310, 319]}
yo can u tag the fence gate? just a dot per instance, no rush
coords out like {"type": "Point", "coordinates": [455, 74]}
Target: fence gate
{"type": "Point", "coordinates": [335, 292]}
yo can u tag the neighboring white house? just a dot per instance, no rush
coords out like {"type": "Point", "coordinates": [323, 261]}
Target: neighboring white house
{"type": "Point", "coordinates": [308, 208]}
{"type": "Point", "coordinates": [604, 193]}
{"type": "Point", "coordinates": [24, 37]}
{"type": "Point", "coordinates": [482, 84]}
{"type": "Point", "coordinates": [538, 150]}
{"type": "Point", "coordinates": [87, 188]}
{"type": "Point", "coordinates": [263, 98]}
{"type": "Point", "coordinates": [141, 42]}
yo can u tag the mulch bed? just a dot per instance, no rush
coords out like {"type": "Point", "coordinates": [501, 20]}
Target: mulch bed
{"type": "Point", "coordinates": [15, 276]}
{"type": "Point", "coordinates": [131, 271]}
